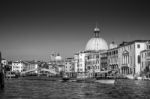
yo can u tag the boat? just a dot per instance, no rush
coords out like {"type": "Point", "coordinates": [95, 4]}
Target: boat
{"type": "Point", "coordinates": [65, 78]}
{"type": "Point", "coordinates": [10, 74]}
{"type": "Point", "coordinates": [81, 78]}
{"type": "Point", "coordinates": [105, 78]}
{"type": "Point", "coordinates": [106, 81]}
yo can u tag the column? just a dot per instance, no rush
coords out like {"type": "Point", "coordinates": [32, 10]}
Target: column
{"type": "Point", "coordinates": [128, 59]}
{"type": "Point", "coordinates": [125, 60]}
{"type": "Point", "coordinates": [124, 71]}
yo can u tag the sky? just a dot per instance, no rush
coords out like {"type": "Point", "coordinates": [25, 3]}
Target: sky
{"type": "Point", "coordinates": [34, 29]}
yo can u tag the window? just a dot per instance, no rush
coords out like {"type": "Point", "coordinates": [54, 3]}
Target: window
{"type": "Point", "coordinates": [148, 46]}
{"type": "Point", "coordinates": [97, 56]}
{"type": "Point", "coordinates": [130, 47]}
{"type": "Point", "coordinates": [139, 59]}
{"type": "Point", "coordinates": [142, 64]}
{"type": "Point", "coordinates": [116, 51]}
{"type": "Point", "coordinates": [138, 46]}
{"type": "Point", "coordinates": [148, 54]}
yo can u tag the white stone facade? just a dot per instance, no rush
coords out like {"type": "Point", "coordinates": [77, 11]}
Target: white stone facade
{"type": "Point", "coordinates": [69, 65]}
{"type": "Point", "coordinates": [17, 66]}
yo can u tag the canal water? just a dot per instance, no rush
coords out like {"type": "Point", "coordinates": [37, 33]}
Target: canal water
{"type": "Point", "coordinates": [39, 89]}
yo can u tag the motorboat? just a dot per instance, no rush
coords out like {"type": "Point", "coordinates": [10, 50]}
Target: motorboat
{"type": "Point", "coordinates": [105, 78]}
{"type": "Point", "coordinates": [106, 81]}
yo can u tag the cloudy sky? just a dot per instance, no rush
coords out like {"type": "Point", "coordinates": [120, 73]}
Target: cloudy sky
{"type": "Point", "coordinates": [33, 29]}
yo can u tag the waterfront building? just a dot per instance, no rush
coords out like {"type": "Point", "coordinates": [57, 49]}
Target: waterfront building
{"type": "Point", "coordinates": [76, 62]}
{"type": "Point", "coordinates": [81, 66]}
{"type": "Point", "coordinates": [80, 63]}
{"type": "Point", "coordinates": [125, 58]}
{"type": "Point", "coordinates": [88, 62]}
{"type": "Point", "coordinates": [129, 56]}
{"type": "Point", "coordinates": [69, 67]}
{"type": "Point", "coordinates": [92, 63]}
{"type": "Point", "coordinates": [18, 66]}
{"type": "Point", "coordinates": [104, 64]}
{"type": "Point", "coordinates": [145, 59]}
{"type": "Point", "coordinates": [112, 59]}
{"type": "Point", "coordinates": [31, 66]}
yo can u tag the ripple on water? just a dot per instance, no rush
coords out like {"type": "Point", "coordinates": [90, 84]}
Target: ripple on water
{"type": "Point", "coordinates": [38, 89]}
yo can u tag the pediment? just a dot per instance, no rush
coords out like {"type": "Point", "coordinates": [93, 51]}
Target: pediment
{"type": "Point", "coordinates": [125, 52]}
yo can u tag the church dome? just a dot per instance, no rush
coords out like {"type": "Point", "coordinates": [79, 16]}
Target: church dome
{"type": "Point", "coordinates": [58, 58]}
{"type": "Point", "coordinates": [96, 43]}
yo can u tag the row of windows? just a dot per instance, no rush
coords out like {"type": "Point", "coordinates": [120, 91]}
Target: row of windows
{"type": "Point", "coordinates": [126, 48]}
{"type": "Point", "coordinates": [92, 57]}
{"type": "Point", "coordinates": [145, 54]}
{"type": "Point", "coordinates": [145, 64]}
{"type": "Point", "coordinates": [92, 62]}
{"type": "Point", "coordinates": [113, 60]}
{"type": "Point", "coordinates": [94, 67]}
{"type": "Point", "coordinates": [112, 53]}
{"type": "Point", "coordinates": [80, 70]}
{"type": "Point", "coordinates": [70, 67]}
{"type": "Point", "coordinates": [17, 67]}
{"type": "Point", "coordinates": [148, 46]}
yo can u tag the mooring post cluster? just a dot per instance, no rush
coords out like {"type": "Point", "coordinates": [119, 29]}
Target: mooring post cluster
{"type": "Point", "coordinates": [1, 74]}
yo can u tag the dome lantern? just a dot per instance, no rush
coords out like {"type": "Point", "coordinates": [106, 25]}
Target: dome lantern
{"type": "Point", "coordinates": [96, 31]}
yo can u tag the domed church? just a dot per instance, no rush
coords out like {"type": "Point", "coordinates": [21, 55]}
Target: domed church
{"type": "Point", "coordinates": [89, 59]}
{"type": "Point", "coordinates": [96, 43]}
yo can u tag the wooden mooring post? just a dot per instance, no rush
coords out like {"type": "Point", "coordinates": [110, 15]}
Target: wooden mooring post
{"type": "Point", "coordinates": [1, 73]}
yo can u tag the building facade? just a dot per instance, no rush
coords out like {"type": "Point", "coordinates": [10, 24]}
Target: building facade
{"type": "Point", "coordinates": [130, 58]}
{"type": "Point", "coordinates": [69, 67]}
{"type": "Point", "coordinates": [31, 66]}
{"type": "Point", "coordinates": [17, 66]}
{"type": "Point", "coordinates": [92, 63]}
{"type": "Point", "coordinates": [145, 59]}
{"type": "Point", "coordinates": [88, 62]}
{"type": "Point", "coordinates": [126, 58]}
